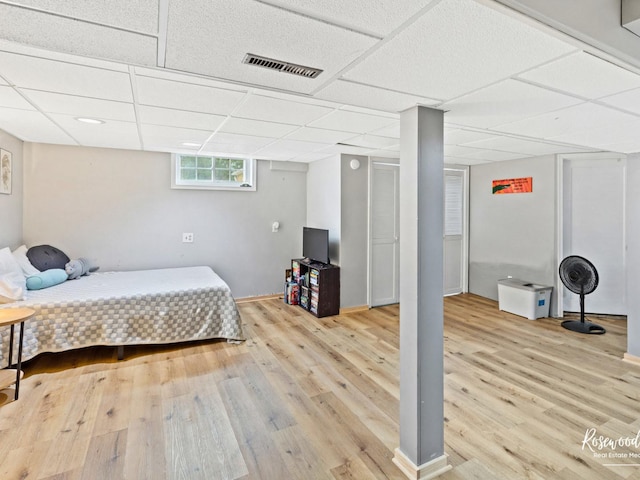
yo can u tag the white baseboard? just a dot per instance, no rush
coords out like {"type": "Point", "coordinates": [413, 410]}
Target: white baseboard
{"type": "Point", "coordinates": [432, 469]}
{"type": "Point", "coordinates": [259, 298]}
{"type": "Point", "coordinates": [358, 308]}
{"type": "Point", "coordinates": [631, 359]}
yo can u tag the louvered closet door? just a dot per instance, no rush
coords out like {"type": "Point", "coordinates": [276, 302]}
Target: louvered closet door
{"type": "Point", "coordinates": [453, 231]}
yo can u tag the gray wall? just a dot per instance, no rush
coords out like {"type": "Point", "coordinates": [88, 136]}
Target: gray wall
{"type": "Point", "coordinates": [633, 254]}
{"type": "Point", "coordinates": [513, 234]}
{"type": "Point", "coordinates": [354, 231]}
{"type": "Point", "coordinates": [11, 205]}
{"type": "Point", "coordinates": [116, 207]}
{"type": "Point", "coordinates": [338, 199]}
{"type": "Point", "coordinates": [324, 201]}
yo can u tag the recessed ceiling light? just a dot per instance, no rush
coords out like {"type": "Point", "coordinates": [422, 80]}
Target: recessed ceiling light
{"type": "Point", "coordinates": [93, 121]}
{"type": "Point", "coordinates": [191, 144]}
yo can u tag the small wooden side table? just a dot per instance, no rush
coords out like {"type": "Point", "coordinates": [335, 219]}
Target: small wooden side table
{"type": "Point", "coordinates": [11, 316]}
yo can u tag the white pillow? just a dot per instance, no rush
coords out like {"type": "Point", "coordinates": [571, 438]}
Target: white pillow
{"type": "Point", "coordinates": [20, 254]}
{"type": "Point", "coordinates": [13, 284]}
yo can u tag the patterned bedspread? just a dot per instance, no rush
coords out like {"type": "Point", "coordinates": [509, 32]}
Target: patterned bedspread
{"type": "Point", "coordinates": [127, 308]}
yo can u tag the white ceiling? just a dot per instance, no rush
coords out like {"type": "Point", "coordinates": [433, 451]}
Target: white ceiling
{"type": "Point", "coordinates": [167, 75]}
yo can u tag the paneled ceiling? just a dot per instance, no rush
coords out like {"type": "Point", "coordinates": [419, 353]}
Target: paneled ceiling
{"type": "Point", "coordinates": [168, 75]}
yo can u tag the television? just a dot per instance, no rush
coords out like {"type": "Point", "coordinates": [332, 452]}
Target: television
{"type": "Point", "coordinates": [315, 244]}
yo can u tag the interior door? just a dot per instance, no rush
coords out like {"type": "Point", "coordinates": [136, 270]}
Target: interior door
{"type": "Point", "coordinates": [454, 231]}
{"type": "Point", "coordinates": [384, 237]}
{"type": "Point", "coordinates": [594, 228]}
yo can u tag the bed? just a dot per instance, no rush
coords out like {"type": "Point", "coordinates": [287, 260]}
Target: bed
{"type": "Point", "coordinates": [128, 308]}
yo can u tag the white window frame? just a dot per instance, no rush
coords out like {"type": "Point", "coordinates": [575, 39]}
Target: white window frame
{"type": "Point", "coordinates": [249, 174]}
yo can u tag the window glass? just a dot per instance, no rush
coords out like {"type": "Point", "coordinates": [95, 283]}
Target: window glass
{"type": "Point", "coordinates": [193, 171]}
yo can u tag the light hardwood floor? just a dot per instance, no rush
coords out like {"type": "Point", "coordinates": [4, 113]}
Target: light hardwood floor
{"type": "Point", "coordinates": [307, 398]}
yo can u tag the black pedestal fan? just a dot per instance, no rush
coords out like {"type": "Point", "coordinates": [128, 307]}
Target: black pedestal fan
{"type": "Point", "coordinates": [580, 276]}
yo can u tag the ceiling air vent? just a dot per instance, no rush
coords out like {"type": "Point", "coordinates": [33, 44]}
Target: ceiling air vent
{"type": "Point", "coordinates": [281, 66]}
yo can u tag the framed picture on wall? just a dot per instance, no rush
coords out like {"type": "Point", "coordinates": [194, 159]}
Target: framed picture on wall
{"type": "Point", "coordinates": [5, 172]}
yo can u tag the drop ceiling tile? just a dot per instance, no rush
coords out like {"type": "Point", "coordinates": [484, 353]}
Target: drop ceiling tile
{"type": "Point", "coordinates": [187, 150]}
{"type": "Point", "coordinates": [257, 128]}
{"type": "Point", "coordinates": [368, 111]}
{"type": "Point", "coordinates": [141, 15]}
{"type": "Point", "coordinates": [602, 134]}
{"type": "Point", "coordinates": [183, 96]}
{"type": "Point", "coordinates": [204, 37]}
{"type": "Point", "coordinates": [632, 146]}
{"type": "Point", "coordinates": [629, 101]}
{"type": "Point", "coordinates": [456, 136]}
{"type": "Point", "coordinates": [493, 155]}
{"type": "Point", "coordinates": [371, 97]}
{"type": "Point", "coordinates": [29, 51]}
{"type": "Point", "coordinates": [458, 150]}
{"type": "Point", "coordinates": [235, 151]}
{"type": "Point", "coordinates": [179, 118]}
{"type": "Point", "coordinates": [392, 130]}
{"type": "Point", "coordinates": [585, 75]}
{"type": "Point", "coordinates": [585, 116]}
{"type": "Point", "coordinates": [236, 144]}
{"type": "Point", "coordinates": [379, 18]}
{"type": "Point", "coordinates": [111, 134]}
{"type": "Point", "coordinates": [526, 147]}
{"type": "Point", "coordinates": [464, 161]}
{"type": "Point", "coordinates": [338, 149]}
{"type": "Point", "coordinates": [169, 138]}
{"type": "Point", "coordinates": [171, 75]}
{"type": "Point", "coordinates": [372, 141]}
{"type": "Point", "coordinates": [270, 109]}
{"type": "Point", "coordinates": [12, 99]}
{"type": "Point", "coordinates": [81, 106]}
{"type": "Point", "coordinates": [287, 149]}
{"type": "Point", "coordinates": [63, 34]}
{"type": "Point", "coordinates": [352, 122]}
{"type": "Point", "coordinates": [504, 102]}
{"type": "Point", "coordinates": [456, 47]}
{"type": "Point", "coordinates": [62, 77]}
{"type": "Point", "coordinates": [32, 126]}
{"type": "Point", "coordinates": [310, 134]}
{"type": "Point", "coordinates": [294, 97]}
{"type": "Point", "coordinates": [310, 157]}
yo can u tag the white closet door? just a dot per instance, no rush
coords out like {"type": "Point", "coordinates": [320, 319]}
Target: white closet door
{"type": "Point", "coordinates": [385, 231]}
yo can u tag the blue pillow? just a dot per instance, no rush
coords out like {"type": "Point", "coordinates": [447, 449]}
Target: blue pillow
{"type": "Point", "coordinates": [45, 279]}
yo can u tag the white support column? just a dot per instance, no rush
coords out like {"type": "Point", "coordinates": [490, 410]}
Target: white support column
{"type": "Point", "coordinates": [421, 451]}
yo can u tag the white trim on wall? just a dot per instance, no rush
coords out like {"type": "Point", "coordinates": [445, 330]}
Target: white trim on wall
{"type": "Point", "coordinates": [558, 312]}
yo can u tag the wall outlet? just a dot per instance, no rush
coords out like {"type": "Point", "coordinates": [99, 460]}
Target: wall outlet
{"type": "Point", "coordinates": [187, 238]}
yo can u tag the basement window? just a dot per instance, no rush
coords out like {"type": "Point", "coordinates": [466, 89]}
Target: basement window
{"type": "Point", "coordinates": [213, 173]}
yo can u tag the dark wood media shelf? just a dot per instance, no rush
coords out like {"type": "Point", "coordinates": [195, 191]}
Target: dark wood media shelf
{"type": "Point", "coordinates": [319, 286]}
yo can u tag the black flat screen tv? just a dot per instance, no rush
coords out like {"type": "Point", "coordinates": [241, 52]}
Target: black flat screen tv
{"type": "Point", "coordinates": [315, 244]}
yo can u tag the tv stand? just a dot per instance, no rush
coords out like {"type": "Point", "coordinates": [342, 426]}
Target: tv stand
{"type": "Point", "coordinates": [319, 286]}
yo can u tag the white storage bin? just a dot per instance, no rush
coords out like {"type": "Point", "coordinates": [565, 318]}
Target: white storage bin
{"type": "Point", "coordinates": [524, 298]}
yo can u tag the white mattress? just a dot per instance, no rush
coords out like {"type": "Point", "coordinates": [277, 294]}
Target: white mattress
{"type": "Point", "coordinates": [127, 308]}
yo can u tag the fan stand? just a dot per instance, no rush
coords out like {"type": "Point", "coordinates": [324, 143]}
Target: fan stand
{"type": "Point", "coordinates": [582, 326]}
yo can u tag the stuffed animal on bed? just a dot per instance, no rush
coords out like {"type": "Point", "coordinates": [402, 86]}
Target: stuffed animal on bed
{"type": "Point", "coordinates": [78, 267]}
